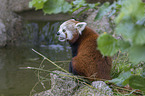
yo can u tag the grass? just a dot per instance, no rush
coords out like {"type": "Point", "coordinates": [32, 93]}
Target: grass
{"type": "Point", "coordinates": [121, 64]}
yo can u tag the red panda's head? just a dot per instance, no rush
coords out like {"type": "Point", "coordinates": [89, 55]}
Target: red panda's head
{"type": "Point", "coordinates": [70, 30]}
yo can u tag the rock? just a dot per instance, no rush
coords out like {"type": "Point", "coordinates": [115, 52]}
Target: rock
{"type": "Point", "coordinates": [62, 84]}
{"type": "Point", "coordinates": [2, 34]}
{"type": "Point", "coordinates": [102, 88]}
{"type": "Point", "coordinates": [3, 14]}
{"type": "Point", "coordinates": [98, 88]}
{"type": "Point", "coordinates": [2, 27]}
{"type": "Point", "coordinates": [44, 93]}
{"type": "Point", "coordinates": [12, 23]}
{"type": "Point", "coordinates": [19, 5]}
{"type": "Point", "coordinates": [100, 26]}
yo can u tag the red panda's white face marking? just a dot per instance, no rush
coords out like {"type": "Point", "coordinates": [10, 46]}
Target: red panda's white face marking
{"type": "Point", "coordinates": [70, 30]}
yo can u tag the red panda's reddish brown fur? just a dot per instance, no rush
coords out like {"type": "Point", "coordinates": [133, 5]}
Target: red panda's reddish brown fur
{"type": "Point", "coordinates": [89, 62]}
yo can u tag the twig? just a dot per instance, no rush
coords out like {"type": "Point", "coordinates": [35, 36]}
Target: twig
{"type": "Point", "coordinates": [50, 61]}
{"type": "Point", "coordinates": [40, 67]}
{"type": "Point", "coordinates": [117, 88]}
{"type": "Point", "coordinates": [61, 61]}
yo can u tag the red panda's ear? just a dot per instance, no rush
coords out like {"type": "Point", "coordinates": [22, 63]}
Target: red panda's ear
{"type": "Point", "coordinates": [81, 26]}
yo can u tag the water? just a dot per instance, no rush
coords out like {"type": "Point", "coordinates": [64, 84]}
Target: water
{"type": "Point", "coordinates": [41, 32]}
{"type": "Point", "coordinates": [15, 81]}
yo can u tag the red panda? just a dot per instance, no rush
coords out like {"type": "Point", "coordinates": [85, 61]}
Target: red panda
{"type": "Point", "coordinates": [87, 61]}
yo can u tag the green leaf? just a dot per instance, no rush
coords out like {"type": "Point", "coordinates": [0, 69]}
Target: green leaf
{"type": "Point", "coordinates": [138, 9]}
{"type": "Point", "coordinates": [119, 17]}
{"type": "Point", "coordinates": [78, 4]}
{"type": "Point", "coordinates": [143, 71]}
{"type": "Point", "coordinates": [122, 79]}
{"type": "Point", "coordinates": [137, 82]}
{"type": "Point", "coordinates": [123, 45]}
{"type": "Point", "coordinates": [140, 36]}
{"type": "Point", "coordinates": [103, 10]}
{"type": "Point", "coordinates": [107, 45]}
{"type": "Point", "coordinates": [66, 7]}
{"type": "Point", "coordinates": [93, 5]}
{"type": "Point", "coordinates": [113, 12]}
{"type": "Point", "coordinates": [115, 7]}
{"type": "Point", "coordinates": [141, 22]}
{"type": "Point", "coordinates": [137, 54]}
{"type": "Point", "coordinates": [56, 6]}
{"type": "Point", "coordinates": [126, 30]}
{"type": "Point", "coordinates": [131, 9]}
{"type": "Point", "coordinates": [38, 4]}
{"type": "Point", "coordinates": [52, 6]}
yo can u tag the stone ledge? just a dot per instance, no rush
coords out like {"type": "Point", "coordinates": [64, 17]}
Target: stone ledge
{"type": "Point", "coordinates": [19, 5]}
{"type": "Point", "coordinates": [39, 16]}
{"type": "Point", "coordinates": [63, 85]}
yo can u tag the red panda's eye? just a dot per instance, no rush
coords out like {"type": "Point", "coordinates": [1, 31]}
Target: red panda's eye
{"type": "Point", "coordinates": [64, 30]}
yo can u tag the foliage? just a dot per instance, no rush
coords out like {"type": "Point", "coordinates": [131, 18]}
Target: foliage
{"type": "Point", "coordinates": [107, 44]}
{"type": "Point", "coordinates": [51, 6]}
{"type": "Point", "coordinates": [81, 3]}
{"type": "Point", "coordinates": [104, 9]}
{"type": "Point", "coordinates": [122, 78]}
{"type": "Point", "coordinates": [130, 22]}
{"type": "Point", "coordinates": [122, 71]}
{"type": "Point", "coordinates": [107, 8]}
{"type": "Point", "coordinates": [137, 82]}
{"type": "Point", "coordinates": [58, 6]}
{"type": "Point", "coordinates": [130, 28]}
{"type": "Point", "coordinates": [38, 4]}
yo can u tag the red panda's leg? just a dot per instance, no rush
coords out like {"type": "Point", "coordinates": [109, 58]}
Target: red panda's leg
{"type": "Point", "coordinates": [70, 67]}
{"type": "Point", "coordinates": [72, 70]}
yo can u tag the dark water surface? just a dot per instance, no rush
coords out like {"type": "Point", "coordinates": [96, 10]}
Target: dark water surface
{"type": "Point", "coordinates": [15, 81]}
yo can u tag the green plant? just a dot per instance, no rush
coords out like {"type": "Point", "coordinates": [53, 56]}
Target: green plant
{"type": "Point", "coordinates": [60, 6]}
{"type": "Point", "coordinates": [129, 21]}
{"type": "Point", "coordinates": [51, 6]}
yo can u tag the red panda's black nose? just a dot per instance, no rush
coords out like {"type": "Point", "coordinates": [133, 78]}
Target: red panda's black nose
{"type": "Point", "coordinates": [57, 33]}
